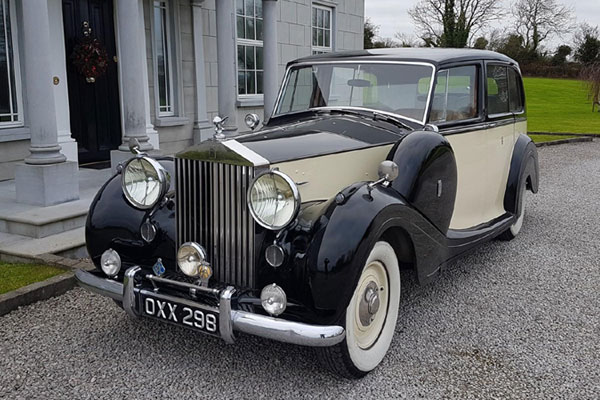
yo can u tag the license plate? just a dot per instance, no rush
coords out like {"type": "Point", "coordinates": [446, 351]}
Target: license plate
{"type": "Point", "coordinates": [179, 313]}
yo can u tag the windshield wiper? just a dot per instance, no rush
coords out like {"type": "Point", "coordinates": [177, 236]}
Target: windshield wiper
{"type": "Point", "coordinates": [388, 118]}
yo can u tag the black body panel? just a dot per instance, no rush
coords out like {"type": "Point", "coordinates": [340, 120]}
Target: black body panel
{"type": "Point", "coordinates": [427, 175]}
{"type": "Point", "coordinates": [113, 223]}
{"type": "Point", "coordinates": [523, 166]}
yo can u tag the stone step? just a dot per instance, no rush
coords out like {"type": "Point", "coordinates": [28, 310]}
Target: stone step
{"type": "Point", "coordinates": [40, 222]}
{"type": "Point", "coordinates": [68, 242]}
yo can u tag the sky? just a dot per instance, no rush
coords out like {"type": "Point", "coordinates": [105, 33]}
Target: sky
{"type": "Point", "coordinates": [392, 16]}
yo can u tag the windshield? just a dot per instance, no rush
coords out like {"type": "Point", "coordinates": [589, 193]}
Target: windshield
{"type": "Point", "coordinates": [399, 88]}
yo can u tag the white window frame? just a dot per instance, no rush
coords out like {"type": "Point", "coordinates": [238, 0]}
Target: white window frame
{"type": "Point", "coordinates": [253, 43]}
{"type": "Point", "coordinates": [15, 65]}
{"type": "Point", "coordinates": [321, 49]}
{"type": "Point", "coordinates": [172, 101]}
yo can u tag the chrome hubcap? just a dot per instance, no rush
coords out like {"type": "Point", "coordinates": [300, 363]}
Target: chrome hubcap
{"type": "Point", "coordinates": [369, 304]}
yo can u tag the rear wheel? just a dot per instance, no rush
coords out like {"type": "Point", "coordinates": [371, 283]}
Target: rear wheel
{"type": "Point", "coordinates": [515, 228]}
{"type": "Point", "coordinates": [371, 316]}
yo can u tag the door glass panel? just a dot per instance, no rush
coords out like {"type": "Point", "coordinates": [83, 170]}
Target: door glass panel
{"type": "Point", "coordinates": [515, 92]}
{"type": "Point", "coordinates": [455, 97]}
{"type": "Point", "coordinates": [497, 90]}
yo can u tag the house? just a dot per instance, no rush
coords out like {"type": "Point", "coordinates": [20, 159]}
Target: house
{"type": "Point", "coordinates": [80, 78]}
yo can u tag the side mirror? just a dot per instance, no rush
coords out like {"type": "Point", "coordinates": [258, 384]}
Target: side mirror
{"type": "Point", "coordinates": [387, 171]}
{"type": "Point", "coordinates": [252, 121]}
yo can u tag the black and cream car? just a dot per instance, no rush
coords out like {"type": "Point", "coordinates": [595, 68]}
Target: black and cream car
{"type": "Point", "coordinates": [372, 162]}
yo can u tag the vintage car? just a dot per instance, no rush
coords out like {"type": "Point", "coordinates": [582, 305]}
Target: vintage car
{"type": "Point", "coordinates": [372, 162]}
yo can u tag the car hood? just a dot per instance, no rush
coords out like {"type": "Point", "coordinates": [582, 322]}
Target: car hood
{"type": "Point", "coordinates": [308, 138]}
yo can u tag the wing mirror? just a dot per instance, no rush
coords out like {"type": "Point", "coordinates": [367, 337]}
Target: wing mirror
{"type": "Point", "coordinates": [387, 171]}
{"type": "Point", "coordinates": [252, 121]}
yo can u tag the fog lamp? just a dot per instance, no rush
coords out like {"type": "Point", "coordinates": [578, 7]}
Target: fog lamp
{"type": "Point", "coordinates": [190, 257]}
{"type": "Point", "coordinates": [110, 262]}
{"type": "Point", "coordinates": [273, 299]}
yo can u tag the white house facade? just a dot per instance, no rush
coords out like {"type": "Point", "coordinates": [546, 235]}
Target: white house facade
{"type": "Point", "coordinates": [163, 70]}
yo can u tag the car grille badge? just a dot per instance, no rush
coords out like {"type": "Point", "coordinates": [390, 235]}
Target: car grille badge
{"type": "Point", "coordinates": [158, 268]}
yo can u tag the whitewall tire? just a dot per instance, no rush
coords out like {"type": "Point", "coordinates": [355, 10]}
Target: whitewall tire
{"type": "Point", "coordinates": [515, 228]}
{"type": "Point", "coordinates": [371, 316]}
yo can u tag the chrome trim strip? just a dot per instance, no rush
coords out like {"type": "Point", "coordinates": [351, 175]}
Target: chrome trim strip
{"type": "Point", "coordinates": [182, 284]}
{"type": "Point", "coordinates": [356, 61]}
{"type": "Point", "coordinates": [287, 331]}
{"type": "Point", "coordinates": [256, 159]}
{"type": "Point", "coordinates": [102, 286]}
{"type": "Point", "coordinates": [129, 304]}
{"type": "Point", "coordinates": [229, 320]}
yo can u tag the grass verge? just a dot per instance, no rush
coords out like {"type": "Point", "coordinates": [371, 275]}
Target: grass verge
{"type": "Point", "coordinates": [549, 138]}
{"type": "Point", "coordinates": [14, 276]}
{"type": "Point", "coordinates": [559, 105]}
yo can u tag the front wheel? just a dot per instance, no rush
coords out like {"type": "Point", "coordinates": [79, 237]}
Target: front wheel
{"type": "Point", "coordinates": [371, 316]}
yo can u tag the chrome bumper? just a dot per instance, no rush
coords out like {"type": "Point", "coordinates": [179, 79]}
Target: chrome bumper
{"type": "Point", "coordinates": [229, 320]}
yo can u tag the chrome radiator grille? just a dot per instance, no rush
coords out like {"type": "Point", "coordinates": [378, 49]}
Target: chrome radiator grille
{"type": "Point", "coordinates": [212, 211]}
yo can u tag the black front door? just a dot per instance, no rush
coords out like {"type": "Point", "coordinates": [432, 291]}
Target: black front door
{"type": "Point", "coordinates": [93, 101]}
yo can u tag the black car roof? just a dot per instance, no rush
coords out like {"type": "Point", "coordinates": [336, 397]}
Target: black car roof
{"type": "Point", "coordinates": [435, 56]}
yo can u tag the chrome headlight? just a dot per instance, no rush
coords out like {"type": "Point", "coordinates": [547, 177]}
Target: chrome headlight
{"type": "Point", "coordinates": [144, 182]}
{"type": "Point", "coordinates": [273, 200]}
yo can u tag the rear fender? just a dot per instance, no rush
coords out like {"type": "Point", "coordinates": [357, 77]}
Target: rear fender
{"type": "Point", "coordinates": [523, 169]}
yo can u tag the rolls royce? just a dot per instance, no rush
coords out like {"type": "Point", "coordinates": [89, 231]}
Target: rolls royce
{"type": "Point", "coordinates": [372, 162]}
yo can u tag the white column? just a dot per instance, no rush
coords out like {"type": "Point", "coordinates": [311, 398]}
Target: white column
{"type": "Point", "coordinates": [270, 58]}
{"type": "Point", "coordinates": [226, 60]}
{"type": "Point", "coordinates": [150, 130]}
{"type": "Point", "coordinates": [131, 65]}
{"type": "Point", "coordinates": [61, 93]}
{"type": "Point", "coordinates": [46, 177]}
{"type": "Point", "coordinates": [202, 127]}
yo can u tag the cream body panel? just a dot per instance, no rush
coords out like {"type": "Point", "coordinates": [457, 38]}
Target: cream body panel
{"type": "Point", "coordinates": [483, 162]}
{"type": "Point", "coordinates": [326, 175]}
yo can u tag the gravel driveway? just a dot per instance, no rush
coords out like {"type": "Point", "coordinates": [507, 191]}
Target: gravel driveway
{"type": "Point", "coordinates": [511, 320]}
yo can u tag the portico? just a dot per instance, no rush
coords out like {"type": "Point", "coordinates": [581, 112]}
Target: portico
{"type": "Point", "coordinates": [170, 67]}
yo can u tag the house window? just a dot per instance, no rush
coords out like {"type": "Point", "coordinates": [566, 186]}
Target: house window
{"type": "Point", "coordinates": [163, 60]}
{"type": "Point", "coordinates": [321, 29]}
{"type": "Point", "coordinates": [10, 85]}
{"type": "Point", "coordinates": [249, 26]}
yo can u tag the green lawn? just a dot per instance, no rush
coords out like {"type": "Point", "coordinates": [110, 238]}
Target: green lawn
{"type": "Point", "coordinates": [14, 276]}
{"type": "Point", "coordinates": [559, 105]}
{"type": "Point", "coordinates": [549, 138]}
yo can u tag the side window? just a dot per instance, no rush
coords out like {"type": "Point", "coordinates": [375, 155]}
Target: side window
{"type": "Point", "coordinates": [455, 95]}
{"type": "Point", "coordinates": [515, 91]}
{"type": "Point", "coordinates": [497, 85]}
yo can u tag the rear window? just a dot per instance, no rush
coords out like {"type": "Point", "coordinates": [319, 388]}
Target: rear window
{"type": "Point", "coordinates": [497, 96]}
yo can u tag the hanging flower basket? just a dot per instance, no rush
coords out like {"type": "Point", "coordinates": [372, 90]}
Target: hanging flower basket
{"type": "Point", "coordinates": [90, 59]}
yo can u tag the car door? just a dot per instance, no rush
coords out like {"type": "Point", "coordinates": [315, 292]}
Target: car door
{"type": "Point", "coordinates": [458, 112]}
{"type": "Point", "coordinates": [500, 138]}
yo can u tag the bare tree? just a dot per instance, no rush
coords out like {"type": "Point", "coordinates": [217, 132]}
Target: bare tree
{"type": "Point", "coordinates": [536, 20]}
{"type": "Point", "coordinates": [591, 75]}
{"type": "Point", "coordinates": [406, 40]}
{"type": "Point", "coordinates": [453, 22]}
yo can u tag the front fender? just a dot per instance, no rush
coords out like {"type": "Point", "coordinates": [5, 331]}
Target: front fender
{"type": "Point", "coordinates": [349, 228]}
{"type": "Point", "coordinates": [113, 223]}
